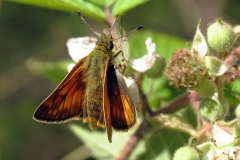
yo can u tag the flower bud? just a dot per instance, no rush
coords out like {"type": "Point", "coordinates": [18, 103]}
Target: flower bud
{"type": "Point", "coordinates": [220, 37]}
{"type": "Point", "coordinates": [237, 111]}
{"type": "Point", "coordinates": [157, 68]}
{"type": "Point", "coordinates": [211, 110]}
{"type": "Point", "coordinates": [186, 153]}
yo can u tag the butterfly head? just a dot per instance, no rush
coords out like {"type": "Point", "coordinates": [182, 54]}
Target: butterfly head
{"type": "Point", "coordinates": [107, 40]}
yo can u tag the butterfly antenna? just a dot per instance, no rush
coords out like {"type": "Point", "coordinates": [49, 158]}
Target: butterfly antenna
{"type": "Point", "coordinates": [80, 15]}
{"type": "Point", "coordinates": [110, 30]}
{"type": "Point", "coordinates": [136, 29]}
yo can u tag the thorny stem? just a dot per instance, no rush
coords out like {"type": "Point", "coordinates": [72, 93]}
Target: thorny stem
{"type": "Point", "coordinates": [192, 98]}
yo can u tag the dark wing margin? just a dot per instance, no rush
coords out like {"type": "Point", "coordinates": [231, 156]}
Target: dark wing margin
{"type": "Point", "coordinates": [65, 102]}
{"type": "Point", "coordinates": [123, 112]}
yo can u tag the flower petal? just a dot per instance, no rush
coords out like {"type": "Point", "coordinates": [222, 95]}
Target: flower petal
{"type": "Point", "coordinates": [80, 47]}
{"type": "Point", "coordinates": [144, 63]}
{"type": "Point", "coordinates": [133, 89]}
{"type": "Point", "coordinates": [221, 137]}
{"type": "Point", "coordinates": [70, 66]}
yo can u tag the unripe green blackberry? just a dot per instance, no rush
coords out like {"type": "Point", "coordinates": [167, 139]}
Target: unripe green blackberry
{"type": "Point", "coordinates": [220, 37]}
{"type": "Point", "coordinates": [186, 153]}
{"type": "Point", "coordinates": [185, 69]}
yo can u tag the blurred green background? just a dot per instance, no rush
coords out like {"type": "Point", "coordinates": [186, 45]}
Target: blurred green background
{"type": "Point", "coordinates": [32, 32]}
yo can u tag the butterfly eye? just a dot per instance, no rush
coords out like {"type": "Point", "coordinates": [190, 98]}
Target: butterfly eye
{"type": "Point", "coordinates": [111, 45]}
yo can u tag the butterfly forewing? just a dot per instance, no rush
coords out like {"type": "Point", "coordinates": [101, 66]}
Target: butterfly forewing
{"type": "Point", "coordinates": [107, 111]}
{"type": "Point", "coordinates": [65, 103]}
{"type": "Point", "coordinates": [123, 112]}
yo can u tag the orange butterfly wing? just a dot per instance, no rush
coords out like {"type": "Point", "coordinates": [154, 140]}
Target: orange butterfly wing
{"type": "Point", "coordinates": [123, 113]}
{"type": "Point", "coordinates": [65, 102]}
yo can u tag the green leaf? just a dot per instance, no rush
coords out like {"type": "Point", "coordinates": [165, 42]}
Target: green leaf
{"type": "Point", "coordinates": [85, 7]}
{"type": "Point", "coordinates": [162, 144]}
{"type": "Point", "coordinates": [54, 71]}
{"type": "Point", "coordinates": [53, 4]}
{"type": "Point", "coordinates": [102, 3]}
{"type": "Point", "coordinates": [97, 142]}
{"type": "Point", "coordinates": [74, 155]}
{"type": "Point", "coordinates": [161, 91]}
{"type": "Point", "coordinates": [88, 9]}
{"type": "Point", "coordinates": [232, 93]}
{"type": "Point", "coordinates": [122, 6]}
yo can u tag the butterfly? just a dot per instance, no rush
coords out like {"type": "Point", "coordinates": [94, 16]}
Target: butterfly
{"type": "Point", "coordinates": [94, 91]}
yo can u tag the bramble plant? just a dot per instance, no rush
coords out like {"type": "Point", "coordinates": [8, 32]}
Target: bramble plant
{"type": "Point", "coordinates": [181, 92]}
